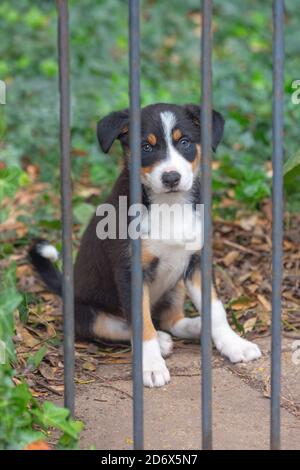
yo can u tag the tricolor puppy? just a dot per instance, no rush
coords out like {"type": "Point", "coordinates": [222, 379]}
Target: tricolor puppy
{"type": "Point", "coordinates": [171, 154]}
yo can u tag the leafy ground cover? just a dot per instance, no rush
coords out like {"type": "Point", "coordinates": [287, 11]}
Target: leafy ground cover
{"type": "Point", "coordinates": [30, 319]}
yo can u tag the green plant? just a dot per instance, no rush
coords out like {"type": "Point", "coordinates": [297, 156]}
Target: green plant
{"type": "Point", "coordinates": [23, 420]}
{"type": "Point", "coordinates": [246, 178]}
{"type": "Point", "coordinates": [242, 74]}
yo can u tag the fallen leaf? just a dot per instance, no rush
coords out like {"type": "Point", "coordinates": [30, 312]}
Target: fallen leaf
{"type": "Point", "coordinates": [248, 223]}
{"type": "Point", "coordinates": [265, 303]}
{"type": "Point", "coordinates": [47, 372]}
{"type": "Point", "coordinates": [27, 338]}
{"type": "Point", "coordinates": [242, 303]}
{"type": "Point", "coordinates": [230, 257]}
{"type": "Point", "coordinates": [249, 324]}
{"type": "Point", "coordinates": [256, 276]}
{"type": "Point", "coordinates": [88, 366]}
{"type": "Point", "coordinates": [38, 445]}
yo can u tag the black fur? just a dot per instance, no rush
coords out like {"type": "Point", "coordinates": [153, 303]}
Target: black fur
{"type": "Point", "coordinates": [46, 269]}
{"type": "Point", "coordinates": [102, 268]}
{"type": "Point", "coordinates": [217, 123]}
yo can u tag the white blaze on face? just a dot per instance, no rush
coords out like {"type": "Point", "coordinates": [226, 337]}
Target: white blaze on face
{"type": "Point", "coordinates": [174, 161]}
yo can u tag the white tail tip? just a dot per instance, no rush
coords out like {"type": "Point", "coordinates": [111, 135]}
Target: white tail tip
{"type": "Point", "coordinates": [47, 251]}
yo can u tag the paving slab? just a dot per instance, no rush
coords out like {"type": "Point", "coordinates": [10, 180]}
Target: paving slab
{"type": "Point", "coordinates": [241, 404]}
{"type": "Point", "coordinates": [257, 373]}
{"type": "Point", "coordinates": [172, 416]}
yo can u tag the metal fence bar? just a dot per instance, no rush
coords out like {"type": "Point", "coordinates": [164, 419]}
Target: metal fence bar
{"type": "Point", "coordinates": [136, 197]}
{"type": "Point", "coordinates": [206, 255]}
{"type": "Point", "coordinates": [66, 203]}
{"type": "Point", "coordinates": [277, 230]}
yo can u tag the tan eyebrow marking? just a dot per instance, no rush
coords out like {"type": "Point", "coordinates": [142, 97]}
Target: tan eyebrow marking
{"type": "Point", "coordinates": [124, 130]}
{"type": "Point", "coordinates": [152, 139]}
{"type": "Point", "coordinates": [148, 169]}
{"type": "Point", "coordinates": [196, 162]}
{"type": "Point", "coordinates": [177, 134]}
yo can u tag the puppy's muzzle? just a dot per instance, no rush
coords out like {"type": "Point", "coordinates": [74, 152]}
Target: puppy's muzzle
{"type": "Point", "coordinates": [171, 179]}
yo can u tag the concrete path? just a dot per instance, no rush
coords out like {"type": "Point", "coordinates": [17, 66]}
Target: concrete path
{"type": "Point", "coordinates": [241, 404]}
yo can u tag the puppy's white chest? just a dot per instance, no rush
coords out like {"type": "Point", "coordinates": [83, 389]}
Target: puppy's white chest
{"type": "Point", "coordinates": [172, 238]}
{"type": "Point", "coordinates": [173, 261]}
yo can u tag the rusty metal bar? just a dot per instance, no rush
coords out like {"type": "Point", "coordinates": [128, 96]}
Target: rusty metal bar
{"type": "Point", "coordinates": [66, 204]}
{"type": "Point", "coordinates": [206, 255]}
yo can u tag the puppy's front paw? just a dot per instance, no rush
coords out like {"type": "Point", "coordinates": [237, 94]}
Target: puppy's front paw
{"type": "Point", "coordinates": [156, 376]}
{"type": "Point", "coordinates": [187, 328]}
{"type": "Point", "coordinates": [155, 372]}
{"type": "Point", "coordinates": [165, 343]}
{"type": "Point", "coordinates": [237, 349]}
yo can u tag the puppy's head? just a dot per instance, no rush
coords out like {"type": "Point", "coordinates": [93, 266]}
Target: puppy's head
{"type": "Point", "coordinates": [170, 143]}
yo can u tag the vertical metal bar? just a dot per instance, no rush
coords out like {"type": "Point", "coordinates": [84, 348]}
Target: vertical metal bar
{"type": "Point", "coordinates": [135, 198]}
{"type": "Point", "coordinates": [277, 229]}
{"type": "Point", "coordinates": [66, 203]}
{"type": "Point", "coordinates": [206, 256]}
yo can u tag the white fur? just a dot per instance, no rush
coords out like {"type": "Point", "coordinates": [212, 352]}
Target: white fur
{"type": "Point", "coordinates": [185, 238]}
{"type": "Point", "coordinates": [227, 341]}
{"type": "Point", "coordinates": [174, 161]}
{"type": "Point", "coordinates": [172, 263]}
{"type": "Point", "coordinates": [47, 251]}
{"type": "Point", "coordinates": [155, 372]}
{"type": "Point", "coordinates": [187, 328]}
{"type": "Point", "coordinates": [111, 327]}
{"type": "Point", "coordinates": [195, 294]}
{"type": "Point", "coordinates": [165, 343]}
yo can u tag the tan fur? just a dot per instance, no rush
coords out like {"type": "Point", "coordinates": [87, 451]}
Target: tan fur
{"type": "Point", "coordinates": [196, 162]}
{"type": "Point", "coordinates": [124, 130]}
{"type": "Point", "coordinates": [196, 281]}
{"type": "Point", "coordinates": [110, 327]}
{"type": "Point", "coordinates": [148, 169]}
{"type": "Point", "coordinates": [152, 139]}
{"type": "Point", "coordinates": [175, 312]}
{"type": "Point", "coordinates": [177, 134]}
{"type": "Point", "coordinates": [147, 257]}
{"type": "Point", "coordinates": [149, 331]}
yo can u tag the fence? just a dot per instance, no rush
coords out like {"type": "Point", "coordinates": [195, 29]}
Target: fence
{"type": "Point", "coordinates": [135, 197]}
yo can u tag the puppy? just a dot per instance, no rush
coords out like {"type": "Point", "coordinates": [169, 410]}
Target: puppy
{"type": "Point", "coordinates": [171, 155]}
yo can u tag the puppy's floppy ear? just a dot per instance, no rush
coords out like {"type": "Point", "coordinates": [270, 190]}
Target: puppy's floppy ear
{"type": "Point", "coordinates": [193, 112]}
{"type": "Point", "coordinates": [112, 127]}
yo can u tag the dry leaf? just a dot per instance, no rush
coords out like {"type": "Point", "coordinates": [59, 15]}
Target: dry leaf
{"type": "Point", "coordinates": [230, 257]}
{"type": "Point", "coordinates": [47, 372]}
{"type": "Point", "coordinates": [252, 288]}
{"type": "Point", "coordinates": [38, 445]}
{"type": "Point", "coordinates": [27, 338]}
{"type": "Point", "coordinates": [248, 223]}
{"type": "Point", "coordinates": [265, 303]}
{"type": "Point", "coordinates": [88, 366]}
{"type": "Point", "coordinates": [256, 276]}
{"type": "Point", "coordinates": [249, 324]}
{"type": "Point", "coordinates": [242, 303]}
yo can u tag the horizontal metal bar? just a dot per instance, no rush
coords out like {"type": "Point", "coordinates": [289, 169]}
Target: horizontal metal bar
{"type": "Point", "coordinates": [66, 204]}
{"type": "Point", "coordinates": [277, 229]}
{"type": "Point", "coordinates": [136, 197]}
{"type": "Point", "coordinates": [206, 256]}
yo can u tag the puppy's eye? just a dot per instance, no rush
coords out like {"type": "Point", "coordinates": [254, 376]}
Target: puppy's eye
{"type": "Point", "coordinates": [184, 142]}
{"type": "Point", "coordinates": [147, 148]}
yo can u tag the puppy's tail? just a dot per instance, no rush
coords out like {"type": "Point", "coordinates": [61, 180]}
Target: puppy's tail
{"type": "Point", "coordinates": [42, 256]}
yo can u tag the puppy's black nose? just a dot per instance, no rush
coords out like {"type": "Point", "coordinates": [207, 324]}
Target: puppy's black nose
{"type": "Point", "coordinates": [170, 178]}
